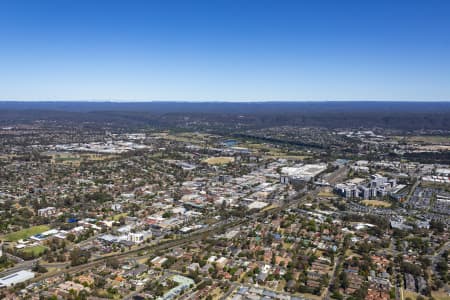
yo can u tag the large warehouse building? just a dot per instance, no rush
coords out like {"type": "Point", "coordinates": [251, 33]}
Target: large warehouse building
{"type": "Point", "coordinates": [15, 278]}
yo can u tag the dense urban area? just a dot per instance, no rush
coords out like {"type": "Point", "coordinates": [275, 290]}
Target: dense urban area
{"type": "Point", "coordinates": [215, 209]}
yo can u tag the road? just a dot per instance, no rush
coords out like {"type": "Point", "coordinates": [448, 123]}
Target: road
{"type": "Point", "coordinates": [134, 293]}
{"type": "Point", "coordinates": [435, 259]}
{"type": "Point", "coordinates": [201, 234]}
{"type": "Point", "coordinates": [25, 265]}
{"type": "Point", "coordinates": [149, 248]}
{"type": "Point", "coordinates": [14, 258]}
{"type": "Point", "coordinates": [338, 261]}
{"type": "Point", "coordinates": [195, 236]}
{"type": "Point", "coordinates": [413, 188]}
{"type": "Point", "coordinates": [398, 283]}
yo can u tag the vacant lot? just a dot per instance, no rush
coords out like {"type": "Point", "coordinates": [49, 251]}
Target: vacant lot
{"type": "Point", "coordinates": [25, 233]}
{"type": "Point", "coordinates": [377, 203]}
{"type": "Point", "coordinates": [218, 160]}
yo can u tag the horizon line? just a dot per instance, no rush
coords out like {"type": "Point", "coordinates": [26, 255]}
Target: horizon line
{"type": "Point", "coordinates": [209, 101]}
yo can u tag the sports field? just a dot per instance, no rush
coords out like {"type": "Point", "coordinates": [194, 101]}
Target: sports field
{"type": "Point", "coordinates": [25, 233]}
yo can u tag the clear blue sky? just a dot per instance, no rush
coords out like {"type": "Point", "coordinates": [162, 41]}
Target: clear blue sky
{"type": "Point", "coordinates": [224, 50]}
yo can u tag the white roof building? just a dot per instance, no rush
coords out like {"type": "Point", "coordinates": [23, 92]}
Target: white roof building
{"type": "Point", "coordinates": [15, 278]}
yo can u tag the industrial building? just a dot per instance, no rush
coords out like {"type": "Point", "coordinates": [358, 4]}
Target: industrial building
{"type": "Point", "coordinates": [15, 278]}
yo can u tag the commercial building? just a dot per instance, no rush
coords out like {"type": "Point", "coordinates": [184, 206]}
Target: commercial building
{"type": "Point", "coordinates": [15, 278]}
{"type": "Point", "coordinates": [303, 172]}
{"type": "Point", "coordinates": [47, 212]}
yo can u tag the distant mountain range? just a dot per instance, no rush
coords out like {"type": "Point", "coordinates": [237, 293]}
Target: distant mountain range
{"type": "Point", "coordinates": [161, 107]}
{"type": "Point", "coordinates": [333, 114]}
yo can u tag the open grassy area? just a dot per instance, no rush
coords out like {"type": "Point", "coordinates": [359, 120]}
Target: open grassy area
{"type": "Point", "coordinates": [187, 137]}
{"type": "Point", "coordinates": [221, 160]}
{"type": "Point", "coordinates": [36, 250]}
{"type": "Point", "coordinates": [376, 203]}
{"type": "Point", "coordinates": [25, 233]}
{"type": "Point", "coordinates": [270, 151]}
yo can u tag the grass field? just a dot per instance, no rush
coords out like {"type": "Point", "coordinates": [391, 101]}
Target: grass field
{"type": "Point", "coordinates": [376, 203]}
{"type": "Point", "coordinates": [25, 233]}
{"type": "Point", "coordinates": [276, 153]}
{"type": "Point", "coordinates": [36, 250]}
{"type": "Point", "coordinates": [188, 137]}
{"type": "Point", "coordinates": [221, 160]}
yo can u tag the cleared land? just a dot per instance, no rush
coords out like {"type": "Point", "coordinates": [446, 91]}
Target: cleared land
{"type": "Point", "coordinates": [377, 203]}
{"type": "Point", "coordinates": [25, 233]}
{"type": "Point", "coordinates": [218, 160]}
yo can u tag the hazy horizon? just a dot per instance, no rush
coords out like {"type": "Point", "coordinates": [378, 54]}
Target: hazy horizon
{"type": "Point", "coordinates": [220, 101]}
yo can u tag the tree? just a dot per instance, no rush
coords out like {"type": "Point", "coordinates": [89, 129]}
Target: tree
{"type": "Point", "coordinates": [78, 256]}
{"type": "Point", "coordinates": [112, 263]}
{"type": "Point", "coordinates": [71, 237]}
{"type": "Point", "coordinates": [344, 280]}
{"type": "Point", "coordinates": [39, 269]}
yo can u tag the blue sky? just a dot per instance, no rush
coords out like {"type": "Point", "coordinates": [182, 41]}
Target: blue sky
{"type": "Point", "coordinates": [239, 50]}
